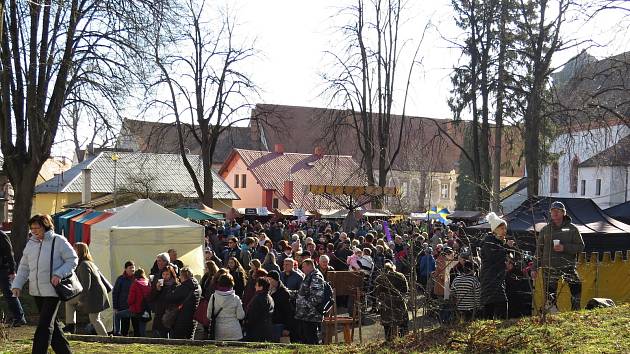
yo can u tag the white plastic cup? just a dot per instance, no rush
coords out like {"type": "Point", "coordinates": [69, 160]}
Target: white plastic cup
{"type": "Point", "coordinates": [151, 278]}
{"type": "Point", "coordinates": [556, 243]}
{"type": "Point", "coordinates": [161, 282]}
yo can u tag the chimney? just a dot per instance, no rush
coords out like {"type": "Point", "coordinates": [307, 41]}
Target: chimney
{"type": "Point", "coordinates": [288, 190]}
{"type": "Point", "coordinates": [86, 193]}
{"type": "Point", "coordinates": [319, 151]}
{"type": "Point", "coordinates": [278, 149]}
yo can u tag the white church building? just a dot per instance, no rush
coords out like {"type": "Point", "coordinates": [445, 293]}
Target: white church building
{"type": "Point", "coordinates": [593, 163]}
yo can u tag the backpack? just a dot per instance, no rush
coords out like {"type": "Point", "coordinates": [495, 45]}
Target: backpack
{"type": "Point", "coordinates": [329, 300]}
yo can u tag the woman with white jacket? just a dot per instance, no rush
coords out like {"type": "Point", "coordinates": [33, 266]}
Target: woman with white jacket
{"type": "Point", "coordinates": [35, 267]}
{"type": "Point", "coordinates": [228, 310]}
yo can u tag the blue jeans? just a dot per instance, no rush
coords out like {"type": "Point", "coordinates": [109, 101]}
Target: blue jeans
{"type": "Point", "coordinates": [14, 303]}
{"type": "Point", "coordinates": [139, 327]}
{"type": "Point", "coordinates": [121, 322]}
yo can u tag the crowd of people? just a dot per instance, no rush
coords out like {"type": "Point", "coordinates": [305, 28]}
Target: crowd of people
{"type": "Point", "coordinates": [266, 281]}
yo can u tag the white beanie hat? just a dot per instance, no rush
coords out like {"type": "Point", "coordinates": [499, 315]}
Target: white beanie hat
{"type": "Point", "coordinates": [495, 221]}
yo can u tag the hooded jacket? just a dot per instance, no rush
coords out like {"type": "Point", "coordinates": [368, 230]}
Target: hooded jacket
{"type": "Point", "coordinates": [310, 296]}
{"type": "Point", "coordinates": [35, 264]}
{"type": "Point", "coordinates": [227, 326]}
{"type": "Point", "coordinates": [570, 238]}
{"type": "Point", "coordinates": [138, 294]}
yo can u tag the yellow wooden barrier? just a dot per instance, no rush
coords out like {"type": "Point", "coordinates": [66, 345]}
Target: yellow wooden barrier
{"type": "Point", "coordinates": [609, 278]}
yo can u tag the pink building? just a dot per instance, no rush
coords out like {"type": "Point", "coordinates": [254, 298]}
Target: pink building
{"type": "Point", "coordinates": [280, 180]}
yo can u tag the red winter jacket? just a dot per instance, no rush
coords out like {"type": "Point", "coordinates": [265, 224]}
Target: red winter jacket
{"type": "Point", "coordinates": [138, 292]}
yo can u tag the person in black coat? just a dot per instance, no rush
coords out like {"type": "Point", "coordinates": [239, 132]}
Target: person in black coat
{"type": "Point", "coordinates": [258, 326]}
{"type": "Point", "coordinates": [283, 311]}
{"type": "Point", "coordinates": [493, 269]}
{"type": "Point", "coordinates": [7, 274]}
{"type": "Point", "coordinates": [518, 291]}
{"type": "Point", "coordinates": [186, 295]}
{"type": "Point", "coordinates": [157, 298]}
{"type": "Point", "coordinates": [239, 275]}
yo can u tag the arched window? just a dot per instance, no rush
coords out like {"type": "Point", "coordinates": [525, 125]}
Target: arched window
{"type": "Point", "coordinates": [555, 173]}
{"type": "Point", "coordinates": [573, 175]}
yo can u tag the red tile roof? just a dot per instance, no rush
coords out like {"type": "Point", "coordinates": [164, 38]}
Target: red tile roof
{"type": "Point", "coordinates": [423, 148]}
{"type": "Point", "coordinates": [272, 169]}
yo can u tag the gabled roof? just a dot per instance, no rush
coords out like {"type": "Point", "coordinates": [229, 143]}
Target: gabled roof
{"type": "Point", "coordinates": [616, 155]}
{"type": "Point", "coordinates": [158, 137]}
{"type": "Point", "coordinates": [423, 147]}
{"type": "Point", "coordinates": [272, 169]}
{"type": "Point", "coordinates": [160, 173]}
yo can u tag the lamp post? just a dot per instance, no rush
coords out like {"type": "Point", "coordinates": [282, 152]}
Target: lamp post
{"type": "Point", "coordinates": [115, 158]}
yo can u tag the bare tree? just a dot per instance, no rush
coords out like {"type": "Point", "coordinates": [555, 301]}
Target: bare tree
{"type": "Point", "coordinates": [208, 91]}
{"type": "Point", "coordinates": [365, 83]}
{"type": "Point", "coordinates": [43, 43]}
{"type": "Point", "coordinates": [100, 133]}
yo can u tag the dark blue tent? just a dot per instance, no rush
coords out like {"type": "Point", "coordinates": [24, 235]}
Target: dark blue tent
{"type": "Point", "coordinates": [620, 212]}
{"type": "Point", "coordinates": [601, 232]}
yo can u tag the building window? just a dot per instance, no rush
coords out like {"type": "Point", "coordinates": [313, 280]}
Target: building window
{"type": "Point", "coordinates": [236, 181]}
{"type": "Point", "coordinates": [243, 181]}
{"type": "Point", "coordinates": [583, 187]}
{"type": "Point", "coordinates": [274, 203]}
{"type": "Point", "coordinates": [573, 175]}
{"type": "Point", "coordinates": [444, 191]}
{"type": "Point", "coordinates": [555, 173]}
{"type": "Point", "coordinates": [598, 187]}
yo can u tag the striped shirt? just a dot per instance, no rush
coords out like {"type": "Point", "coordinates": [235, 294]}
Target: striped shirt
{"type": "Point", "coordinates": [466, 290]}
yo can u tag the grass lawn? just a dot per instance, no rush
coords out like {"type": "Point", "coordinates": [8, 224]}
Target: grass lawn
{"type": "Point", "coordinates": [597, 331]}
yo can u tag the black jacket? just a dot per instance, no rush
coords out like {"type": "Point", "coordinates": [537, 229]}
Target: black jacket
{"type": "Point", "coordinates": [7, 262]}
{"type": "Point", "coordinates": [283, 312]}
{"type": "Point", "coordinates": [207, 288]}
{"type": "Point", "coordinates": [188, 295]}
{"type": "Point", "coordinates": [492, 276]}
{"type": "Point", "coordinates": [258, 321]}
{"type": "Point", "coordinates": [239, 283]}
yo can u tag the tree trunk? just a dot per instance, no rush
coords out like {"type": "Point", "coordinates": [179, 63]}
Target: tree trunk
{"type": "Point", "coordinates": [532, 141]}
{"type": "Point", "coordinates": [24, 188]}
{"type": "Point", "coordinates": [485, 109]}
{"type": "Point", "coordinates": [206, 161]}
{"type": "Point", "coordinates": [498, 134]}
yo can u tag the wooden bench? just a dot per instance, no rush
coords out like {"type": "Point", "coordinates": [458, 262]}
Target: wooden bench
{"type": "Point", "coordinates": [329, 328]}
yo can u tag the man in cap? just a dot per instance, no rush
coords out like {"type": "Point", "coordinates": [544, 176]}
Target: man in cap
{"type": "Point", "coordinates": [558, 245]}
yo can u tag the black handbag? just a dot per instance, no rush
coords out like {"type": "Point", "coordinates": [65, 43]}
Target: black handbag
{"type": "Point", "coordinates": [70, 286]}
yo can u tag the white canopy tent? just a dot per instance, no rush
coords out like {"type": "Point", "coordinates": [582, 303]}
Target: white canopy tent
{"type": "Point", "coordinates": [139, 232]}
